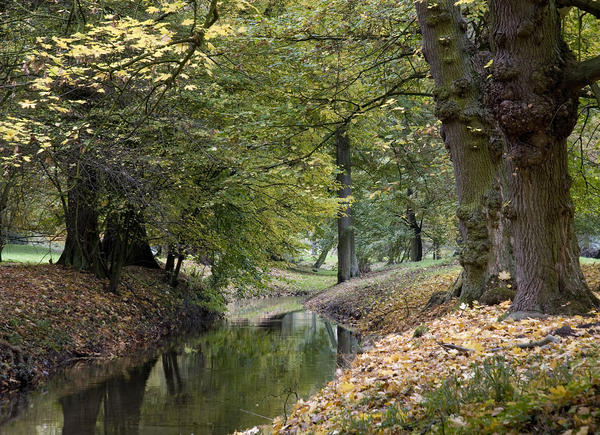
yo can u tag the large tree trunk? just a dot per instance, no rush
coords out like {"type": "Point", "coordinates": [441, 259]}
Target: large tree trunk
{"type": "Point", "coordinates": [536, 112]}
{"type": "Point", "coordinates": [114, 247]}
{"type": "Point", "coordinates": [82, 245]}
{"type": "Point", "coordinates": [175, 274]}
{"type": "Point", "coordinates": [475, 153]}
{"type": "Point", "coordinates": [124, 398]}
{"type": "Point", "coordinates": [125, 243]}
{"type": "Point", "coordinates": [347, 261]}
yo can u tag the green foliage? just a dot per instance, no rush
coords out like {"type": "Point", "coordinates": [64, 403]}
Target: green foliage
{"type": "Point", "coordinates": [391, 417]}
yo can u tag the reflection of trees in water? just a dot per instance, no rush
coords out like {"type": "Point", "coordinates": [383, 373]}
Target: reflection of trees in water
{"type": "Point", "coordinates": [80, 410]}
{"type": "Point", "coordinates": [213, 383]}
{"type": "Point", "coordinates": [171, 373]}
{"type": "Point", "coordinates": [11, 407]}
{"type": "Point", "coordinates": [347, 346]}
{"type": "Point", "coordinates": [254, 369]}
{"type": "Point", "coordinates": [122, 397]}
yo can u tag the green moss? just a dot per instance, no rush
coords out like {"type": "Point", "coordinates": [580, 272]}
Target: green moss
{"type": "Point", "coordinates": [497, 295]}
{"type": "Point", "coordinates": [420, 331]}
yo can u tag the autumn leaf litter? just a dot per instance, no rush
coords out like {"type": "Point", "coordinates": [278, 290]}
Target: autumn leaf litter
{"type": "Point", "coordinates": [401, 368]}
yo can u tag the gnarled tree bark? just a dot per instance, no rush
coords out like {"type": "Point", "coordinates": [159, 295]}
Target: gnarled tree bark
{"type": "Point", "coordinates": [534, 102]}
{"type": "Point", "coordinates": [474, 151]}
{"type": "Point", "coordinates": [82, 245]}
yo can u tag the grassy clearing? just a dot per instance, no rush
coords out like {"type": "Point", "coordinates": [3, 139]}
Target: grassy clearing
{"type": "Point", "coordinates": [386, 300]}
{"type": "Point", "coordinates": [29, 254]}
{"type": "Point", "coordinates": [256, 310]}
{"type": "Point", "coordinates": [301, 281]}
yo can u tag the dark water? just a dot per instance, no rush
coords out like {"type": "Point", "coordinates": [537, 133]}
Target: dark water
{"type": "Point", "coordinates": [232, 377]}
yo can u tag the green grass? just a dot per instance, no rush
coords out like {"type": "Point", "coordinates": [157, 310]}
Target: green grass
{"type": "Point", "coordinates": [257, 310]}
{"type": "Point", "coordinates": [301, 280]}
{"type": "Point", "coordinates": [29, 254]}
{"type": "Point", "coordinates": [584, 260]}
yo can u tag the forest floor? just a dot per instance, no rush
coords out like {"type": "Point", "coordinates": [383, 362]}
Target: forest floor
{"type": "Point", "coordinates": [54, 316]}
{"type": "Point", "coordinates": [452, 368]}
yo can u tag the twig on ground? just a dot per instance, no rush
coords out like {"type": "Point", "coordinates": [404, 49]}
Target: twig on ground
{"type": "Point", "coordinates": [447, 346]}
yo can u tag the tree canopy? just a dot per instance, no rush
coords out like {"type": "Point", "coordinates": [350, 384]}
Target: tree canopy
{"type": "Point", "coordinates": [210, 129]}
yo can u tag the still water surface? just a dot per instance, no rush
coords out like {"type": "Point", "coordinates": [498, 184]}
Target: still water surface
{"type": "Point", "coordinates": [234, 376]}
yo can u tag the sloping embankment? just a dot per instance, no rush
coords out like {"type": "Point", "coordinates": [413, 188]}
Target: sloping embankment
{"type": "Point", "coordinates": [53, 316]}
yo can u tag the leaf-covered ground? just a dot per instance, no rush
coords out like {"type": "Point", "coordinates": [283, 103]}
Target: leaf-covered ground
{"type": "Point", "coordinates": [387, 300]}
{"type": "Point", "coordinates": [53, 316]}
{"type": "Point", "coordinates": [465, 371]}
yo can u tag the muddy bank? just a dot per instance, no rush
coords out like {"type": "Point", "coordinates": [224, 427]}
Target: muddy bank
{"type": "Point", "coordinates": [53, 317]}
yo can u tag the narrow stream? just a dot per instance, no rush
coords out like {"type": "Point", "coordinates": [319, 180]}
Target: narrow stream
{"type": "Point", "coordinates": [239, 374]}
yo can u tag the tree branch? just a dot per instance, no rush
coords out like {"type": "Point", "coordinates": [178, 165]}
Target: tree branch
{"type": "Point", "coordinates": [584, 73]}
{"type": "Point", "coordinates": [589, 6]}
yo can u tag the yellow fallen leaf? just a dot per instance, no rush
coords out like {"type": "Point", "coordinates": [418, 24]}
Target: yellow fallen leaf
{"type": "Point", "coordinates": [346, 387]}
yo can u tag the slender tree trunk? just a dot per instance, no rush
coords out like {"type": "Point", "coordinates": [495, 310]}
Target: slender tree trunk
{"type": "Point", "coordinates": [466, 131]}
{"type": "Point", "coordinates": [323, 255]}
{"type": "Point", "coordinates": [536, 111]}
{"type": "Point", "coordinates": [347, 262]}
{"type": "Point", "coordinates": [436, 250]}
{"type": "Point", "coordinates": [416, 243]}
{"type": "Point", "coordinates": [170, 264]}
{"type": "Point", "coordinates": [175, 273]}
{"type": "Point", "coordinates": [4, 197]}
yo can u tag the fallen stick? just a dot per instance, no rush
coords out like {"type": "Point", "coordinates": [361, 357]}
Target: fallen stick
{"type": "Point", "coordinates": [544, 341]}
{"type": "Point", "coordinates": [447, 346]}
{"type": "Point", "coordinates": [528, 345]}
{"type": "Point", "coordinates": [531, 344]}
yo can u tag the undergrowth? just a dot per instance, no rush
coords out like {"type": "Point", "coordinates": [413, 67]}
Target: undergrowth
{"type": "Point", "coordinates": [496, 398]}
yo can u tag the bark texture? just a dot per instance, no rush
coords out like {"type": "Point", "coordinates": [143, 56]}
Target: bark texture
{"type": "Point", "coordinates": [347, 260]}
{"type": "Point", "coordinates": [4, 195]}
{"type": "Point", "coordinates": [536, 111]}
{"type": "Point", "coordinates": [82, 245]}
{"type": "Point", "coordinates": [467, 134]}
